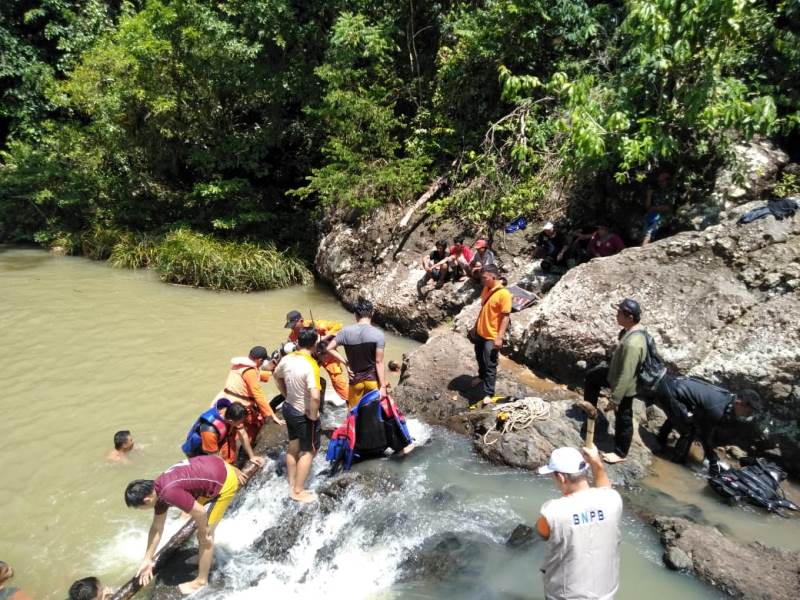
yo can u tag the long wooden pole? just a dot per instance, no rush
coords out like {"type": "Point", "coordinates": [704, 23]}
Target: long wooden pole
{"type": "Point", "coordinates": [128, 590]}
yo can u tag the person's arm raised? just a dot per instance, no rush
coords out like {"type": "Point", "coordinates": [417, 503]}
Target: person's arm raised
{"type": "Point", "coordinates": [592, 456]}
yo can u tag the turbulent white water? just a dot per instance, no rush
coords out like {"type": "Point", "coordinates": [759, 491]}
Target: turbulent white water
{"type": "Point", "coordinates": [358, 550]}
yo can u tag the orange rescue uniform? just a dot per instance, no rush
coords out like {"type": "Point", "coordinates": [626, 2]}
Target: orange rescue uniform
{"type": "Point", "coordinates": [495, 306]}
{"type": "Point", "coordinates": [337, 375]}
{"type": "Point", "coordinates": [243, 385]}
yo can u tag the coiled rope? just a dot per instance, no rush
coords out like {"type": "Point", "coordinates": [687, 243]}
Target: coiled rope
{"type": "Point", "coordinates": [521, 414]}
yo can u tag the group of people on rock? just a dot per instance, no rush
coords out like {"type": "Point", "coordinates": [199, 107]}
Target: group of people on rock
{"type": "Point", "coordinates": [458, 262]}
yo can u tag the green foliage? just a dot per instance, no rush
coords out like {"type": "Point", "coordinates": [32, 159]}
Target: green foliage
{"type": "Point", "coordinates": [788, 185]}
{"type": "Point", "coordinates": [194, 259]}
{"type": "Point", "coordinates": [245, 119]}
{"type": "Point", "coordinates": [365, 161]}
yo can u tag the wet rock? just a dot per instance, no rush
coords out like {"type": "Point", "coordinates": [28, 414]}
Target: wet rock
{"type": "Point", "coordinates": [182, 567]}
{"type": "Point", "coordinates": [445, 556]}
{"type": "Point", "coordinates": [436, 386]}
{"type": "Point", "coordinates": [740, 570]}
{"type": "Point", "coordinates": [522, 536]}
{"type": "Point", "coordinates": [677, 560]}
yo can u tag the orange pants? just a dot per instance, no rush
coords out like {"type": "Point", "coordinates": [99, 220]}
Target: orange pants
{"type": "Point", "coordinates": [339, 380]}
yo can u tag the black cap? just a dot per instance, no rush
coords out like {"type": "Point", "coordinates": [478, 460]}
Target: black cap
{"type": "Point", "coordinates": [292, 317]}
{"type": "Point", "coordinates": [630, 307]}
{"type": "Point", "coordinates": [257, 352]}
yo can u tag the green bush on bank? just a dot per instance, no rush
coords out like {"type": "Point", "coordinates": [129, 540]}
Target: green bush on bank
{"type": "Point", "coordinates": [188, 258]}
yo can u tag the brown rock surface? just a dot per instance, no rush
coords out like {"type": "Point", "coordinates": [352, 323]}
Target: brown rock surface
{"type": "Point", "coordinates": [741, 570]}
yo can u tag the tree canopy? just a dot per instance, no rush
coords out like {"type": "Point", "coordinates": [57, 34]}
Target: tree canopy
{"type": "Point", "coordinates": [242, 118]}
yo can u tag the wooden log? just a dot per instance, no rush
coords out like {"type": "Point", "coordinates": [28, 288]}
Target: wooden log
{"type": "Point", "coordinates": [129, 590]}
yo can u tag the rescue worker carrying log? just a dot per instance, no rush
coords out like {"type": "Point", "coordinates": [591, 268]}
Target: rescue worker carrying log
{"type": "Point", "coordinates": [189, 486]}
{"type": "Point", "coordinates": [328, 360]}
{"type": "Point", "coordinates": [243, 386]}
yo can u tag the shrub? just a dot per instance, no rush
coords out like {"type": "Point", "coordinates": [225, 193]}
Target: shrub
{"type": "Point", "coordinates": [189, 258]}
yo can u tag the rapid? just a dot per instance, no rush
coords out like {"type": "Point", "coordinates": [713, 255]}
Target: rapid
{"type": "Point", "coordinates": [88, 350]}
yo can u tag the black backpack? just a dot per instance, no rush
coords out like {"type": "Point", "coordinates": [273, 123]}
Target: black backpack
{"type": "Point", "coordinates": [652, 369]}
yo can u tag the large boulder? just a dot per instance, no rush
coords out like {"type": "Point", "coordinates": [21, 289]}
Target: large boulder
{"type": "Point", "coordinates": [752, 170]}
{"type": "Point", "coordinates": [379, 259]}
{"type": "Point", "coordinates": [722, 304]}
{"type": "Point", "coordinates": [435, 385]}
{"type": "Point", "coordinates": [739, 570]}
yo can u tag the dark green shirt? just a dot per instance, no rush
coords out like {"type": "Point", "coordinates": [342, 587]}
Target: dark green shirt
{"type": "Point", "coordinates": [625, 362]}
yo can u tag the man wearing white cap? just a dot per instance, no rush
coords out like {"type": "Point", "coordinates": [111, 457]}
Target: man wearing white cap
{"type": "Point", "coordinates": [581, 527]}
{"type": "Point", "coordinates": [551, 247]}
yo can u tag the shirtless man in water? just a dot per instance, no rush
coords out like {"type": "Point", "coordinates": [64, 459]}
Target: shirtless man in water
{"type": "Point", "coordinates": [123, 444]}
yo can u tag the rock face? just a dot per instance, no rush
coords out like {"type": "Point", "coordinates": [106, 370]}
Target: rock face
{"type": "Point", "coordinates": [722, 304]}
{"type": "Point", "coordinates": [742, 571]}
{"type": "Point", "coordinates": [435, 385]}
{"type": "Point", "coordinates": [381, 261]}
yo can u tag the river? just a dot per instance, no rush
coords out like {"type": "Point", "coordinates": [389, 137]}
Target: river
{"type": "Point", "coordinates": [88, 350]}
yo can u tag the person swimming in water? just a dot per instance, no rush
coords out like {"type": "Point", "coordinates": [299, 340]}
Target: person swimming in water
{"type": "Point", "coordinates": [123, 444]}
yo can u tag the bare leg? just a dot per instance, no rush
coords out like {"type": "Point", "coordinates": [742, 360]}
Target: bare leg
{"type": "Point", "coordinates": [205, 556]}
{"type": "Point", "coordinates": [292, 454]}
{"type": "Point", "coordinates": [299, 492]}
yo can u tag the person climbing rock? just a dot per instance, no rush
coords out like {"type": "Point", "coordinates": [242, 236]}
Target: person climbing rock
{"type": "Point", "coordinates": [327, 359]}
{"type": "Point", "coordinates": [297, 378]}
{"type": "Point", "coordinates": [697, 409]}
{"type": "Point", "coordinates": [490, 328]}
{"type": "Point", "coordinates": [620, 376]}
{"type": "Point", "coordinates": [189, 486]}
{"type": "Point", "coordinates": [8, 591]}
{"type": "Point", "coordinates": [243, 385]}
{"type": "Point", "coordinates": [123, 444]}
{"type": "Point", "coordinates": [660, 205]}
{"type": "Point", "coordinates": [581, 528]}
{"type": "Point", "coordinates": [219, 430]}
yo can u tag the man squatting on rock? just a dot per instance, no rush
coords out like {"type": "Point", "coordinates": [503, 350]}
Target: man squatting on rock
{"type": "Point", "coordinates": [581, 528]}
{"type": "Point", "coordinates": [620, 376]}
{"type": "Point", "coordinates": [490, 328]}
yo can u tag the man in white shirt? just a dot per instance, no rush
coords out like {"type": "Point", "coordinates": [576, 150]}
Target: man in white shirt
{"type": "Point", "coordinates": [581, 527]}
{"type": "Point", "coordinates": [297, 378]}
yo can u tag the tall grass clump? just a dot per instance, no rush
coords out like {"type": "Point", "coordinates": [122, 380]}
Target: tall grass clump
{"type": "Point", "coordinates": [134, 251]}
{"type": "Point", "coordinates": [98, 242]}
{"type": "Point", "coordinates": [189, 258]}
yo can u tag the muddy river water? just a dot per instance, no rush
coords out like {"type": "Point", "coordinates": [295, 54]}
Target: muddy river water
{"type": "Point", "coordinates": [88, 350]}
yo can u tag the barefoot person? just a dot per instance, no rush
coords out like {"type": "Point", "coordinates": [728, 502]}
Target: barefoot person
{"type": "Point", "coordinates": [188, 485]}
{"type": "Point", "coordinates": [581, 528]}
{"type": "Point", "coordinates": [620, 376]}
{"type": "Point", "coordinates": [123, 444]}
{"type": "Point", "coordinates": [297, 378]}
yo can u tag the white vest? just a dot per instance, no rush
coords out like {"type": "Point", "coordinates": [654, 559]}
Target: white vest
{"type": "Point", "coordinates": [582, 560]}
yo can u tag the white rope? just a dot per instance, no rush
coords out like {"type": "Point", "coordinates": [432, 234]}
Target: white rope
{"type": "Point", "coordinates": [521, 415]}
